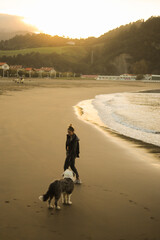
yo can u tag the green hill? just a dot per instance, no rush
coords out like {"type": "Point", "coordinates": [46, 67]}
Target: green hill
{"type": "Point", "coordinates": [67, 50]}
{"type": "Point", "coordinates": [134, 48]}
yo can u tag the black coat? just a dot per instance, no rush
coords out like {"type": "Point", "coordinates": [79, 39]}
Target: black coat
{"type": "Point", "coordinates": [72, 145]}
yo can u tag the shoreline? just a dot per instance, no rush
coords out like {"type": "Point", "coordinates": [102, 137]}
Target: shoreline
{"type": "Point", "coordinates": [151, 148]}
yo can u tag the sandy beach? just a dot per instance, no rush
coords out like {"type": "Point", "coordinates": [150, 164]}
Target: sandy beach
{"type": "Point", "coordinates": [119, 198]}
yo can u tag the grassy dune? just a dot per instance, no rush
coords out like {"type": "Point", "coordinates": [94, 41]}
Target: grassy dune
{"type": "Point", "coordinates": [67, 50]}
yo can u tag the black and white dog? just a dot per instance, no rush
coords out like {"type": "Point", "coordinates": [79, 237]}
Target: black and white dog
{"type": "Point", "coordinates": [60, 187]}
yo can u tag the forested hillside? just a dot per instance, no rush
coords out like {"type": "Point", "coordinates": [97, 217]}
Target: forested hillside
{"type": "Point", "coordinates": [133, 48]}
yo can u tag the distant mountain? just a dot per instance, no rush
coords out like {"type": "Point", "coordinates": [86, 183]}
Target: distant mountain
{"type": "Point", "coordinates": [11, 26]}
{"type": "Point", "coordinates": [33, 40]}
{"type": "Point", "coordinates": [8, 35]}
{"type": "Point", "coordinates": [133, 48]}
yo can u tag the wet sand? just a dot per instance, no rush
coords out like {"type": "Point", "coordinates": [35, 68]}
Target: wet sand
{"type": "Point", "coordinates": [119, 198]}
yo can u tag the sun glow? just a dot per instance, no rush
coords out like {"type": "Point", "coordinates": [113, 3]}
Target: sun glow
{"type": "Point", "coordinates": [81, 19]}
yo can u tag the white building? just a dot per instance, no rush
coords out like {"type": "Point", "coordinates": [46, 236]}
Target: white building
{"type": "Point", "coordinates": [51, 71]}
{"type": "Point", "coordinates": [152, 77]}
{"type": "Point", "coordinates": [128, 77]}
{"type": "Point", "coordinates": [71, 43]}
{"type": "Point", "coordinates": [4, 66]}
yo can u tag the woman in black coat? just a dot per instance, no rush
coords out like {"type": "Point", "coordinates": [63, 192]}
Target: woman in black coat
{"type": "Point", "coordinates": [72, 151]}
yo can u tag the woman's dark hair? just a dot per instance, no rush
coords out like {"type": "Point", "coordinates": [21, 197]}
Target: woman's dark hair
{"type": "Point", "coordinates": [70, 128]}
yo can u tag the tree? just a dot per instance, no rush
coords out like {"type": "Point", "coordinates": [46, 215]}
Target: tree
{"type": "Point", "coordinates": [140, 67]}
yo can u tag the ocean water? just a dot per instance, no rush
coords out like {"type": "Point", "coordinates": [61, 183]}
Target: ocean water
{"type": "Point", "coordinates": [136, 115]}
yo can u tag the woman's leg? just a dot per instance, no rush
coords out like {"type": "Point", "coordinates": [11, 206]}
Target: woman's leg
{"type": "Point", "coordinates": [72, 165]}
{"type": "Point", "coordinates": [67, 163]}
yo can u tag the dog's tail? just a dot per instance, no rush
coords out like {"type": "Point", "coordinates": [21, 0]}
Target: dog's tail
{"type": "Point", "coordinates": [46, 196]}
{"type": "Point", "coordinates": [50, 192]}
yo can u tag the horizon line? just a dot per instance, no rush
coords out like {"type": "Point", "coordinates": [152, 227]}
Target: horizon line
{"type": "Point", "coordinates": [70, 37]}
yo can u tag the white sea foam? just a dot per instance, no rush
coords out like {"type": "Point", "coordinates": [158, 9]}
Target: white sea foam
{"type": "Point", "coordinates": [136, 115]}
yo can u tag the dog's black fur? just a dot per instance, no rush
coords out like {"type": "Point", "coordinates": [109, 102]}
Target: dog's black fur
{"type": "Point", "coordinates": [58, 187]}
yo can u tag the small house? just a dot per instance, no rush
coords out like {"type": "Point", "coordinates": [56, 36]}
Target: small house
{"type": "Point", "coordinates": [4, 66]}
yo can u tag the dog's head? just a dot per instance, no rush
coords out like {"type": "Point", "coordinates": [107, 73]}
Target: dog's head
{"type": "Point", "coordinates": [68, 174]}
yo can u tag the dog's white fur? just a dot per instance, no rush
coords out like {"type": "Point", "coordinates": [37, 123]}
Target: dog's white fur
{"type": "Point", "coordinates": [66, 198]}
{"type": "Point", "coordinates": [68, 174]}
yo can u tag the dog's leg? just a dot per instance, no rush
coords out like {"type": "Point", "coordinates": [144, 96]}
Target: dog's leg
{"type": "Point", "coordinates": [56, 204]}
{"type": "Point", "coordinates": [49, 202]}
{"type": "Point", "coordinates": [63, 198]}
{"type": "Point", "coordinates": [69, 199]}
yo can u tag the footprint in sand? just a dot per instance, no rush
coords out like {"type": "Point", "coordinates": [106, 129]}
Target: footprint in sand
{"type": "Point", "coordinates": [123, 194]}
{"type": "Point", "coordinates": [131, 201]}
{"type": "Point", "coordinates": [7, 201]}
{"type": "Point", "coordinates": [107, 190]}
{"type": "Point", "coordinates": [147, 209]}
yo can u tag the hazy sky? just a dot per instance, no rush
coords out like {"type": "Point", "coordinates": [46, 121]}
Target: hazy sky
{"type": "Point", "coordinates": [80, 18]}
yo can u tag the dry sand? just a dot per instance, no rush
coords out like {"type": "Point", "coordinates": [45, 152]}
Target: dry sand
{"type": "Point", "coordinates": [119, 198]}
